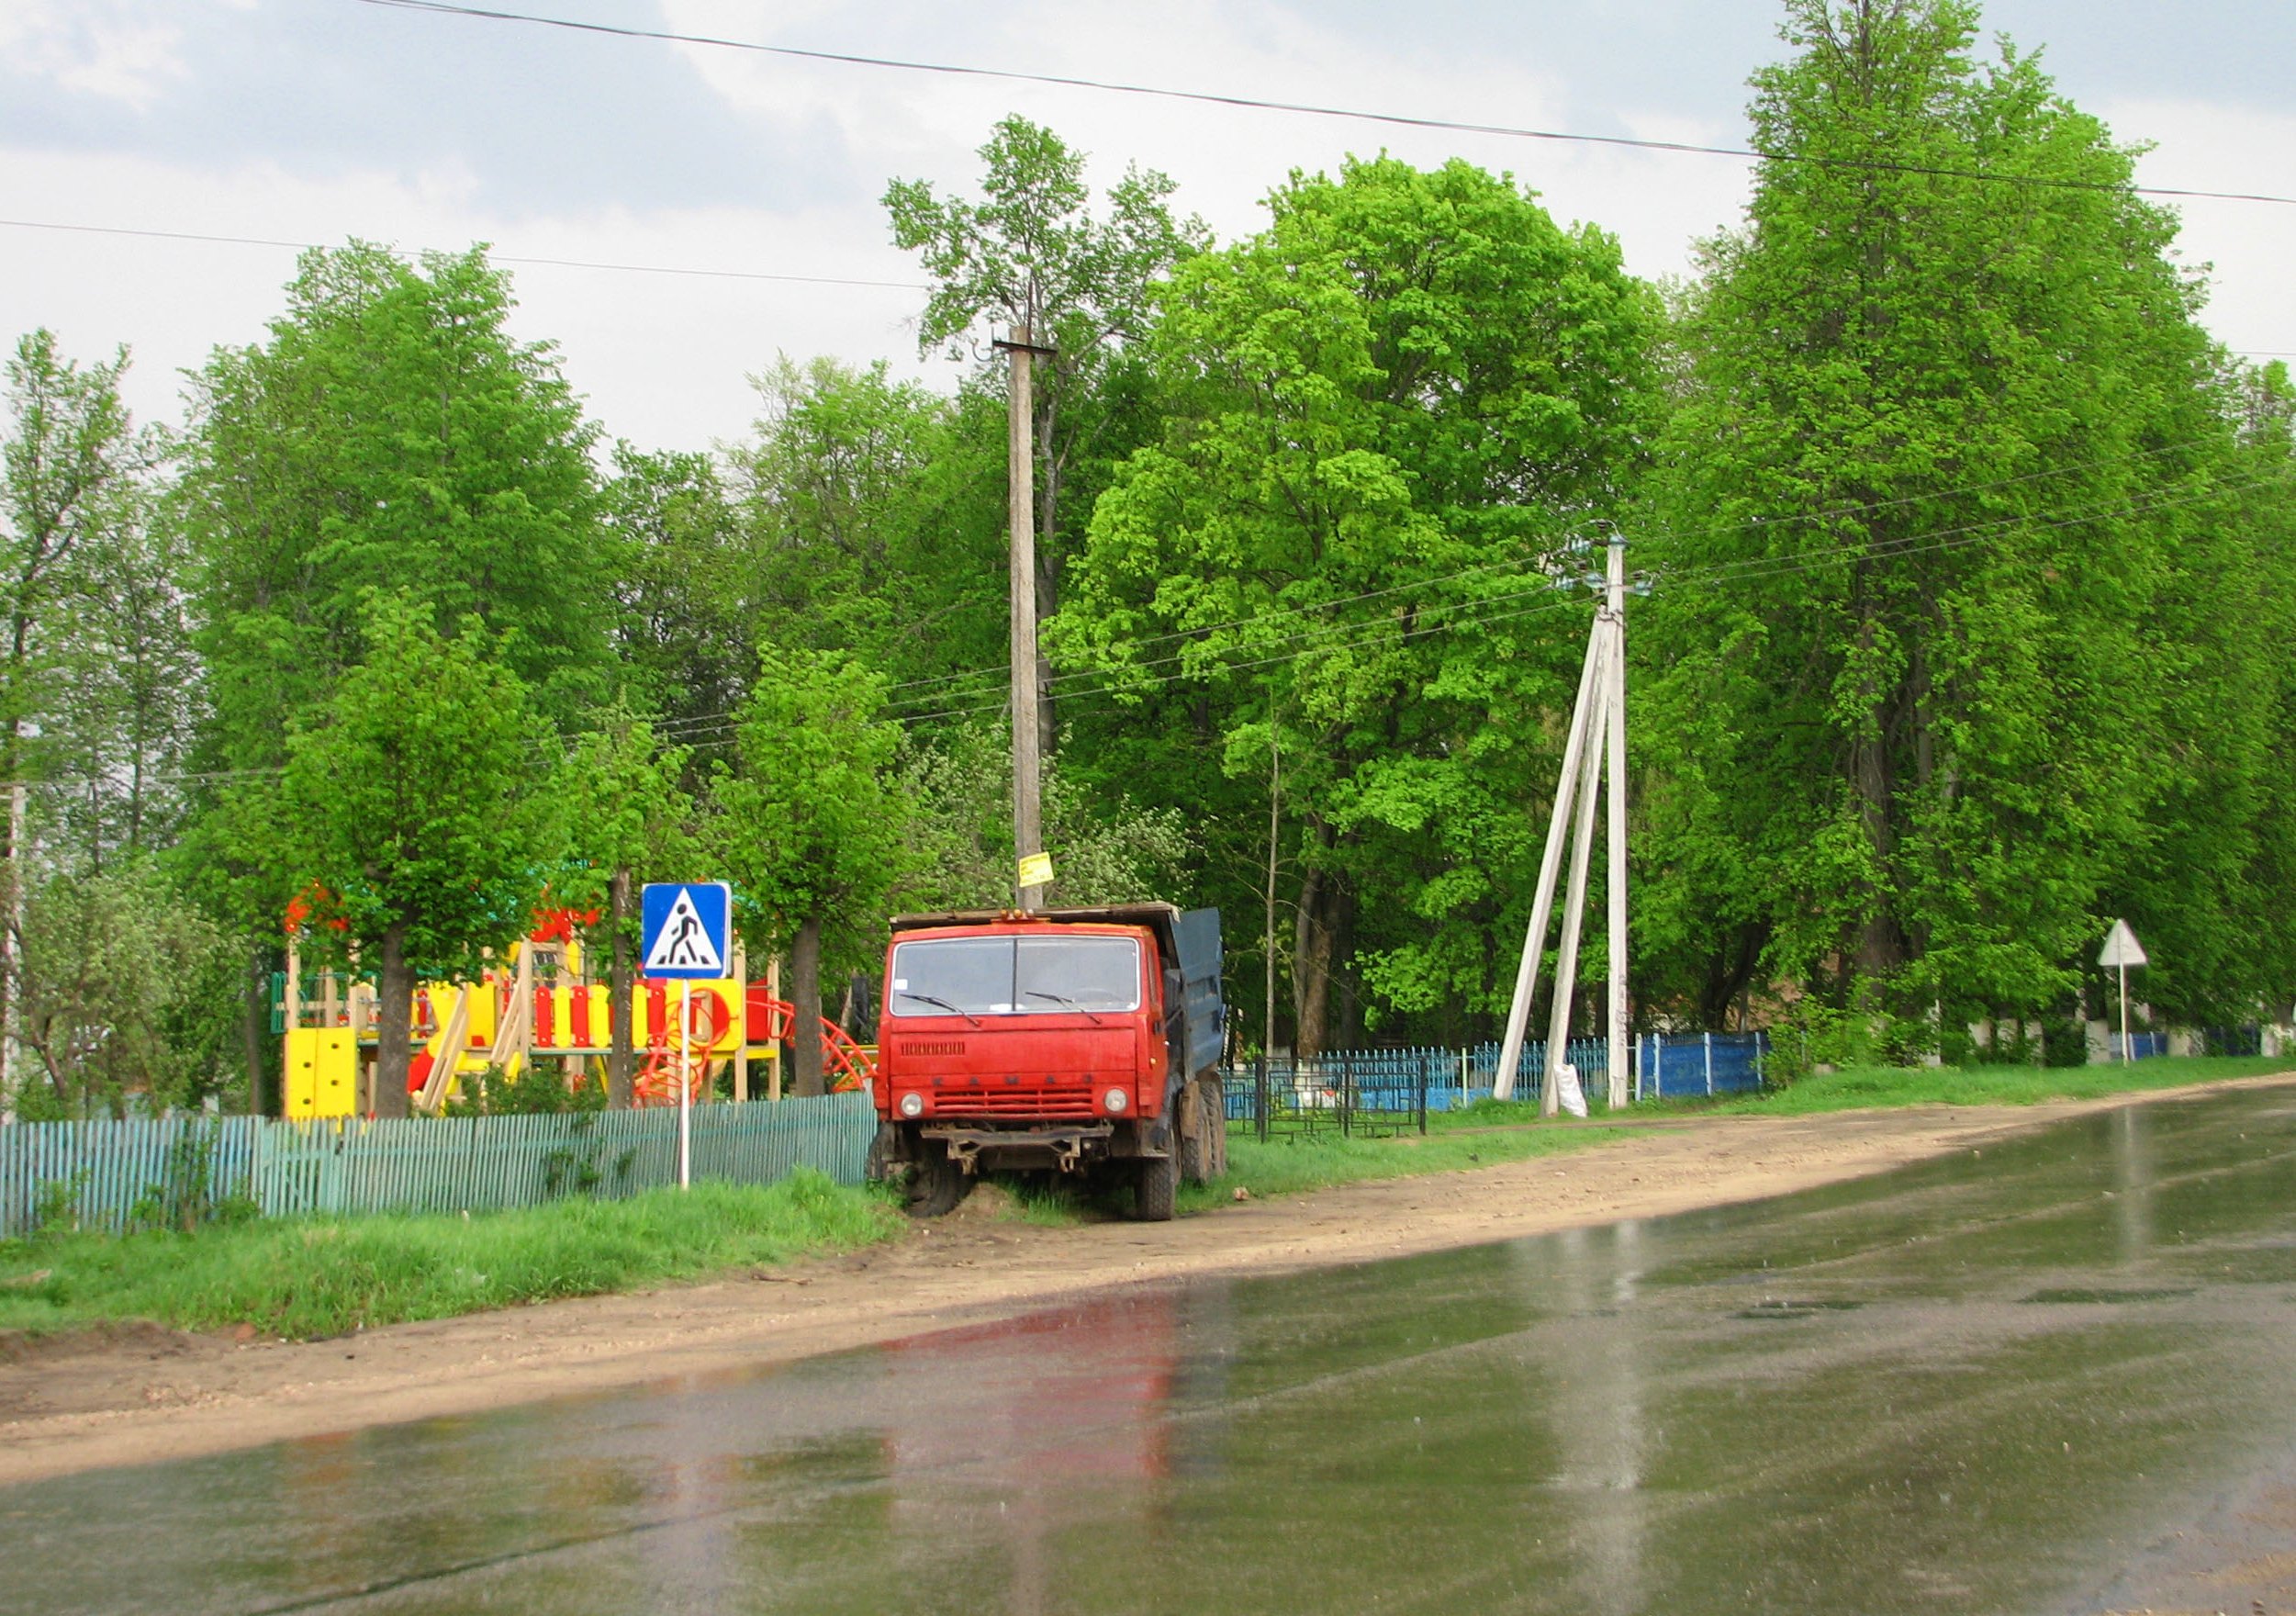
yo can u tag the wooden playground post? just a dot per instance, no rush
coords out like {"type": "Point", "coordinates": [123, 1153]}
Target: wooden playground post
{"type": "Point", "coordinates": [455, 1038]}
{"type": "Point", "coordinates": [773, 991]}
{"type": "Point", "coordinates": [741, 1017]}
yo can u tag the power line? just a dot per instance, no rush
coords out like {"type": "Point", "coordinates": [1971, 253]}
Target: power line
{"type": "Point", "coordinates": [1308, 109]}
{"type": "Point", "coordinates": [1753, 569]}
{"type": "Point", "coordinates": [728, 275]}
{"type": "Point", "coordinates": [944, 687]}
{"type": "Point", "coordinates": [1750, 570]}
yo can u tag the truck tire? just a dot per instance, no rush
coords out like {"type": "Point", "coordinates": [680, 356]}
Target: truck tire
{"type": "Point", "coordinates": [1215, 1113]}
{"type": "Point", "coordinates": [936, 1184]}
{"type": "Point", "coordinates": [1204, 1131]}
{"type": "Point", "coordinates": [1156, 1189]}
{"type": "Point", "coordinates": [1192, 1135]}
{"type": "Point", "coordinates": [884, 1155]}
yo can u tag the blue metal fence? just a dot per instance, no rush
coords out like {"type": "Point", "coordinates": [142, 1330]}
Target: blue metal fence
{"type": "Point", "coordinates": [1669, 1066]}
{"type": "Point", "coordinates": [1376, 1090]}
{"type": "Point", "coordinates": [114, 1174]}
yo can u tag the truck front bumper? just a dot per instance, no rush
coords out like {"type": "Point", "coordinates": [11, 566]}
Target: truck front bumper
{"type": "Point", "coordinates": [1067, 1145]}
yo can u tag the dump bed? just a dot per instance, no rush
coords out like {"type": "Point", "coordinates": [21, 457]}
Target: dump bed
{"type": "Point", "coordinates": [1188, 939]}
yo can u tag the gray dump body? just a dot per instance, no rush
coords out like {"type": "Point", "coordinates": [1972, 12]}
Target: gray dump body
{"type": "Point", "coordinates": [1188, 939]}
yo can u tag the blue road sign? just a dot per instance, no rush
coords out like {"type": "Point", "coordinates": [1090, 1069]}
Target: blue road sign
{"type": "Point", "coordinates": [688, 929]}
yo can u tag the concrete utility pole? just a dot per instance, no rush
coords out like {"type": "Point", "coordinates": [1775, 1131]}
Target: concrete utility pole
{"type": "Point", "coordinates": [1550, 865]}
{"type": "Point", "coordinates": [1598, 730]}
{"type": "Point", "coordinates": [1028, 832]}
{"type": "Point", "coordinates": [1619, 1007]}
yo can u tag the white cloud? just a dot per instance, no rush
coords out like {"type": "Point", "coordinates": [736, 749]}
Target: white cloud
{"type": "Point", "coordinates": [110, 49]}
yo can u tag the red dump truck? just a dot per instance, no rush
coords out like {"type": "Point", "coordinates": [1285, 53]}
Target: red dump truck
{"type": "Point", "coordinates": [1079, 1041]}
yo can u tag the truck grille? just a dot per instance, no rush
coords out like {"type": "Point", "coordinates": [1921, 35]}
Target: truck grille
{"type": "Point", "coordinates": [978, 1100]}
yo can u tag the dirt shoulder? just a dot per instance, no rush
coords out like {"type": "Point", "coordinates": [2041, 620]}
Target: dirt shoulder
{"type": "Point", "coordinates": [137, 1394]}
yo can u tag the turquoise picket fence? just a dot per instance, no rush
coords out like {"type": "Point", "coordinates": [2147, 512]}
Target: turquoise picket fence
{"type": "Point", "coordinates": [110, 1175]}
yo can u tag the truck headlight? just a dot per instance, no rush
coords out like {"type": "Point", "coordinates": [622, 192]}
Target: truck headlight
{"type": "Point", "coordinates": [912, 1104]}
{"type": "Point", "coordinates": [1116, 1102]}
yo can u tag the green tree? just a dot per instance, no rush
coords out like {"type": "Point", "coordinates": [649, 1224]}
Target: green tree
{"type": "Point", "coordinates": [1385, 412]}
{"type": "Point", "coordinates": [686, 624]}
{"type": "Point", "coordinates": [1031, 256]}
{"type": "Point", "coordinates": [390, 434]}
{"type": "Point", "coordinates": [810, 825]}
{"type": "Point", "coordinates": [415, 797]}
{"type": "Point", "coordinates": [1942, 442]}
{"type": "Point", "coordinates": [73, 499]}
{"type": "Point", "coordinates": [628, 818]}
{"type": "Point", "coordinates": [119, 982]}
{"type": "Point", "coordinates": [959, 786]}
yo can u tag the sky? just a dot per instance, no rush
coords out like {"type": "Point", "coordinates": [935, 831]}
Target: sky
{"type": "Point", "coordinates": [311, 121]}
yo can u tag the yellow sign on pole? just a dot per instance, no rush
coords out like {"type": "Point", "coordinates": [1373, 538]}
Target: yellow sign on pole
{"type": "Point", "coordinates": [1036, 869]}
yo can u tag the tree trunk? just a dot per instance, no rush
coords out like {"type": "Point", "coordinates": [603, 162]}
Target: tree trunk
{"type": "Point", "coordinates": [394, 1019]}
{"type": "Point", "coordinates": [620, 991]}
{"type": "Point", "coordinates": [805, 1005]}
{"type": "Point", "coordinates": [254, 1027]}
{"type": "Point", "coordinates": [1880, 948]}
{"type": "Point", "coordinates": [1316, 941]}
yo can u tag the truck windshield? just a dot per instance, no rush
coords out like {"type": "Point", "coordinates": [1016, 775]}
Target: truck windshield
{"type": "Point", "coordinates": [1015, 976]}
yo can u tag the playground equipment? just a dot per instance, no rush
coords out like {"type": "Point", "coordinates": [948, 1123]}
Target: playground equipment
{"type": "Point", "coordinates": [536, 1005]}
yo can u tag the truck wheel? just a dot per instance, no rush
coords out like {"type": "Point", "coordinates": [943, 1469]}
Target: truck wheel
{"type": "Point", "coordinates": [1156, 1188]}
{"type": "Point", "coordinates": [884, 1153]}
{"type": "Point", "coordinates": [1192, 1138]}
{"type": "Point", "coordinates": [1215, 1116]}
{"type": "Point", "coordinates": [935, 1184]}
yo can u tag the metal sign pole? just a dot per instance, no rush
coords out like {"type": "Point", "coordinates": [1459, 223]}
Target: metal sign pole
{"type": "Point", "coordinates": [2128, 1049]}
{"type": "Point", "coordinates": [685, 1084]}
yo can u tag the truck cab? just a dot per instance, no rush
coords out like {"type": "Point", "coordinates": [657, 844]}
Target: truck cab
{"type": "Point", "coordinates": [1076, 1041]}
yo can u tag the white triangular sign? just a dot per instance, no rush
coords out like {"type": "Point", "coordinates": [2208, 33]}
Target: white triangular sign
{"type": "Point", "coordinates": [2120, 948]}
{"type": "Point", "coordinates": [684, 943]}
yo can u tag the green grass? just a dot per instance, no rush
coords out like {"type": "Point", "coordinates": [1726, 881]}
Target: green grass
{"type": "Point", "coordinates": [306, 1277]}
{"type": "Point", "coordinates": [1286, 1166]}
{"type": "Point", "coordinates": [1865, 1088]}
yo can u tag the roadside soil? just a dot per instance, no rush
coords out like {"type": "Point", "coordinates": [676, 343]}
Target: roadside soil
{"type": "Point", "coordinates": [137, 1394]}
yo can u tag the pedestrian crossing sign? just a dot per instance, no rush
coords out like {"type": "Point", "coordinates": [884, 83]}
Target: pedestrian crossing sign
{"type": "Point", "coordinates": [687, 930]}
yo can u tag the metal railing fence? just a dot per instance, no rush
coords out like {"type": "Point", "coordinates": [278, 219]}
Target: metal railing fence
{"type": "Point", "coordinates": [121, 1174]}
{"type": "Point", "coordinates": [1387, 1090]}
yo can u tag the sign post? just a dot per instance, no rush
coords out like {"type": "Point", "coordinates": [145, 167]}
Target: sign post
{"type": "Point", "coordinates": [685, 1086]}
{"type": "Point", "coordinates": [686, 933]}
{"type": "Point", "coordinates": [2121, 950]}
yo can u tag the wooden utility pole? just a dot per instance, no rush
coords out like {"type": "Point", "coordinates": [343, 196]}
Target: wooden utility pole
{"type": "Point", "coordinates": [1028, 834]}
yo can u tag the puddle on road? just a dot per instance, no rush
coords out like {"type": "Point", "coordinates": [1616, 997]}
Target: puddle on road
{"type": "Point", "coordinates": [1606, 1420]}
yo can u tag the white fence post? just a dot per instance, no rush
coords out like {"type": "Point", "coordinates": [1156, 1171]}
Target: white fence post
{"type": "Point", "coordinates": [1709, 1066]}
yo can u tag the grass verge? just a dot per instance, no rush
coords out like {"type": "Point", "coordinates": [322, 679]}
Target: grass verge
{"type": "Point", "coordinates": [1286, 1166]}
{"type": "Point", "coordinates": [1870, 1087]}
{"type": "Point", "coordinates": [305, 1278]}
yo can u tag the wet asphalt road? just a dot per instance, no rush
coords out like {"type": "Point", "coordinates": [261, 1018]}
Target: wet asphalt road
{"type": "Point", "coordinates": [2059, 1375]}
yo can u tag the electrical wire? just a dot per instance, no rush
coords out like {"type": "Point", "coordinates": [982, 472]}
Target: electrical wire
{"type": "Point", "coordinates": [1753, 569]}
{"type": "Point", "coordinates": [951, 682]}
{"type": "Point", "coordinates": [1303, 108]}
{"type": "Point", "coordinates": [1484, 614]}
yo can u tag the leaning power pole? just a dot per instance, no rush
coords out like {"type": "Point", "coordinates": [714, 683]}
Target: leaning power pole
{"type": "Point", "coordinates": [1028, 830]}
{"type": "Point", "coordinates": [1597, 732]}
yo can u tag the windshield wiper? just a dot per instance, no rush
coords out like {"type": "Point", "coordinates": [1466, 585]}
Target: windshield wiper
{"type": "Point", "coordinates": [944, 1003]}
{"type": "Point", "coordinates": [1064, 999]}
